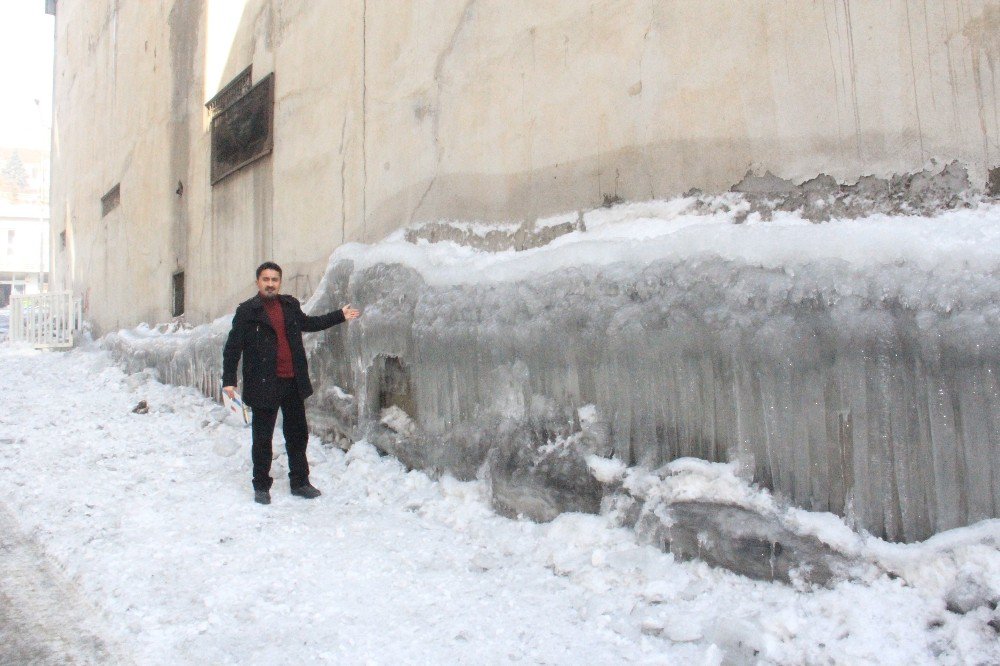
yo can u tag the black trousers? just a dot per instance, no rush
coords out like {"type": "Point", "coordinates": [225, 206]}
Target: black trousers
{"type": "Point", "coordinates": [296, 431]}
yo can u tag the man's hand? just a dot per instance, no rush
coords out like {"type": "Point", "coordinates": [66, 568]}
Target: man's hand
{"type": "Point", "coordinates": [230, 391]}
{"type": "Point", "coordinates": [350, 313]}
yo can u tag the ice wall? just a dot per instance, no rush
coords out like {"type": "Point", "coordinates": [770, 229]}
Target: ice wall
{"type": "Point", "coordinates": [850, 366]}
{"type": "Point", "coordinates": [853, 367]}
{"type": "Point", "coordinates": [179, 354]}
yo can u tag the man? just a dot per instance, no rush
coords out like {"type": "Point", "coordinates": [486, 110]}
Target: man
{"type": "Point", "coordinates": [267, 333]}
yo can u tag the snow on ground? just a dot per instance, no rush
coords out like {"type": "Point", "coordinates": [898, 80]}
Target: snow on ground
{"type": "Point", "coordinates": [150, 516]}
{"type": "Point", "coordinates": [43, 617]}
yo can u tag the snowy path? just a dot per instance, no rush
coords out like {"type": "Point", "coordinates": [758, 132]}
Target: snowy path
{"type": "Point", "coordinates": [43, 620]}
{"type": "Point", "coordinates": [150, 516]}
{"type": "Point", "coordinates": [162, 530]}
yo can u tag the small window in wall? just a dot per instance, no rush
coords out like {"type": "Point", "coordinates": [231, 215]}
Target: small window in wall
{"type": "Point", "coordinates": [178, 291]}
{"type": "Point", "coordinates": [111, 200]}
{"type": "Point", "coordinates": [243, 132]}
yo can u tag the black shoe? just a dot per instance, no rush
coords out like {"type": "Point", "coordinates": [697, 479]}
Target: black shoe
{"type": "Point", "coordinates": [306, 491]}
{"type": "Point", "coordinates": [262, 496]}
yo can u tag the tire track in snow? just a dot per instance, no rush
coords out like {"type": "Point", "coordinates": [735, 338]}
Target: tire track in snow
{"type": "Point", "coordinates": [43, 618]}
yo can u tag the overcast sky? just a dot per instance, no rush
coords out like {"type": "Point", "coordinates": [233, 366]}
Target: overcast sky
{"type": "Point", "coordinates": [26, 41]}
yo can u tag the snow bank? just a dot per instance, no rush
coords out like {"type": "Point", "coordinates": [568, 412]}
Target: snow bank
{"type": "Point", "coordinates": [151, 518]}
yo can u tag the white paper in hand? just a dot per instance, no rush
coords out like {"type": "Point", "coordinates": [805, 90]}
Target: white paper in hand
{"type": "Point", "coordinates": [236, 406]}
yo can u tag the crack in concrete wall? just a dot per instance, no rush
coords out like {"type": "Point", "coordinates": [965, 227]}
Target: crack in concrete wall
{"type": "Point", "coordinates": [433, 110]}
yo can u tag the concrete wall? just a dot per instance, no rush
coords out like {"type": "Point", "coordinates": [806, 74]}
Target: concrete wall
{"type": "Point", "coordinates": [388, 113]}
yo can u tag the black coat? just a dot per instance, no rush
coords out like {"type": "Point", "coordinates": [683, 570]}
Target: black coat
{"type": "Point", "coordinates": [253, 337]}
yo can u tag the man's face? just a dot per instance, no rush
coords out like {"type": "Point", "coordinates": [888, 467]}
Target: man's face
{"type": "Point", "coordinates": [269, 283]}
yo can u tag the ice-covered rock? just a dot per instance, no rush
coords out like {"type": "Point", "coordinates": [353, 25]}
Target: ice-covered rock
{"type": "Point", "coordinates": [699, 510]}
{"type": "Point", "coordinates": [744, 541]}
{"type": "Point", "coordinates": [539, 482]}
{"type": "Point", "coordinates": [333, 414]}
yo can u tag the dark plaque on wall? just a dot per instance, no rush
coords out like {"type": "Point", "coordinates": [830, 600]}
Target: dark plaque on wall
{"type": "Point", "coordinates": [244, 131]}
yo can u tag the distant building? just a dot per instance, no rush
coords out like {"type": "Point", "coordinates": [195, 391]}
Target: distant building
{"type": "Point", "coordinates": [24, 249]}
{"type": "Point", "coordinates": [24, 222]}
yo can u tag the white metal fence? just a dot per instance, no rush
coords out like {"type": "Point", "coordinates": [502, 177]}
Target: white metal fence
{"type": "Point", "coordinates": [45, 320]}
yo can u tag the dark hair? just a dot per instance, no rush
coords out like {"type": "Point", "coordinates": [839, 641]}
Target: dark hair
{"type": "Point", "coordinates": [268, 266]}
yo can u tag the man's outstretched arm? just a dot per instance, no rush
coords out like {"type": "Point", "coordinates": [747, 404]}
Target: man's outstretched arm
{"type": "Point", "coordinates": [322, 322]}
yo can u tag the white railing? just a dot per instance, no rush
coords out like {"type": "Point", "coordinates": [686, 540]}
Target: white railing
{"type": "Point", "coordinates": [45, 320]}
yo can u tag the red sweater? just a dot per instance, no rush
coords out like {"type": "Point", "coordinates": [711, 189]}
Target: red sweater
{"type": "Point", "coordinates": [277, 316]}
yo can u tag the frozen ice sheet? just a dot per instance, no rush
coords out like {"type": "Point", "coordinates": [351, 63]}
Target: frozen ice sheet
{"type": "Point", "coordinates": [851, 365]}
